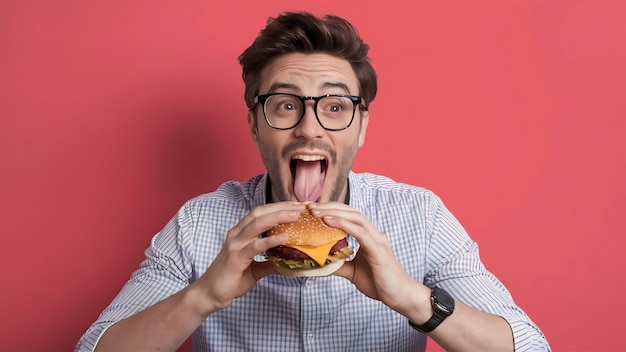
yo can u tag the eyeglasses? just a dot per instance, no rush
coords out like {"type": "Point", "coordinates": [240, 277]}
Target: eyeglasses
{"type": "Point", "coordinates": [334, 112]}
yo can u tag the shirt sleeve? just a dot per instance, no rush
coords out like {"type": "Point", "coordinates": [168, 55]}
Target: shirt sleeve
{"type": "Point", "coordinates": [455, 265]}
{"type": "Point", "coordinates": [166, 270]}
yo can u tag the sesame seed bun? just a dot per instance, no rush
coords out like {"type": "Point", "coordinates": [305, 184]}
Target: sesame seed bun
{"type": "Point", "coordinates": [308, 230]}
{"type": "Point", "coordinates": [310, 238]}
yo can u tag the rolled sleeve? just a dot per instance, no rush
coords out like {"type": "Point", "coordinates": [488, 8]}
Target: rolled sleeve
{"type": "Point", "coordinates": [90, 338]}
{"type": "Point", "coordinates": [527, 336]}
{"type": "Point", "coordinates": [456, 267]}
{"type": "Point", "coordinates": [165, 271]}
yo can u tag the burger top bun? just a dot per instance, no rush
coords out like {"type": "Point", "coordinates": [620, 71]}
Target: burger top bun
{"type": "Point", "coordinates": [308, 230]}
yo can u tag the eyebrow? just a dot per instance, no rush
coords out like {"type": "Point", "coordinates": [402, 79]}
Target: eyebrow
{"type": "Point", "coordinates": [283, 85]}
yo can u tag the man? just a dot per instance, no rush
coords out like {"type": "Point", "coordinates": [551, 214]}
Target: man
{"type": "Point", "coordinates": [416, 273]}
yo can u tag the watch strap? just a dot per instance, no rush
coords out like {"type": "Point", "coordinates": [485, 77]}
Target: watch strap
{"type": "Point", "coordinates": [430, 325]}
{"type": "Point", "coordinates": [443, 306]}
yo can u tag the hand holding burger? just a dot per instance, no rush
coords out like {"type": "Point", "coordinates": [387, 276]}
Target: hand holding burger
{"type": "Point", "coordinates": [312, 249]}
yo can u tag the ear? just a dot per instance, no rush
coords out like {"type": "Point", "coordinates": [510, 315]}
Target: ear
{"type": "Point", "coordinates": [253, 127]}
{"type": "Point", "coordinates": [365, 118]}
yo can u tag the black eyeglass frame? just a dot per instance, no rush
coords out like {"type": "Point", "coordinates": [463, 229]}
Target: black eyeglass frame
{"type": "Point", "coordinates": [356, 101]}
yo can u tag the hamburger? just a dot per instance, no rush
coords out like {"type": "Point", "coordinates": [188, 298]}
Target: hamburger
{"type": "Point", "coordinates": [312, 249]}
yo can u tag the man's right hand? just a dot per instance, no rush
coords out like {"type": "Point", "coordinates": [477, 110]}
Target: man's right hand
{"type": "Point", "coordinates": [234, 271]}
{"type": "Point", "coordinates": [168, 323]}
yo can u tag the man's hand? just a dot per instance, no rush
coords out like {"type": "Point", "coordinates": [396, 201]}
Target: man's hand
{"type": "Point", "coordinates": [375, 270]}
{"type": "Point", "coordinates": [234, 272]}
{"type": "Point", "coordinates": [165, 325]}
{"type": "Point", "coordinates": [377, 273]}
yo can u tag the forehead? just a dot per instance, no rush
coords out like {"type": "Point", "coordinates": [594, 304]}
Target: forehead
{"type": "Point", "coordinates": [309, 74]}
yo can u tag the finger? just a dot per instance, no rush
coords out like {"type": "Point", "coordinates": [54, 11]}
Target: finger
{"type": "Point", "coordinates": [262, 269]}
{"type": "Point", "coordinates": [266, 209]}
{"type": "Point", "coordinates": [338, 210]}
{"type": "Point", "coordinates": [265, 222]}
{"type": "Point", "coordinates": [349, 220]}
{"type": "Point", "coordinates": [260, 245]}
{"type": "Point", "coordinates": [330, 206]}
{"type": "Point", "coordinates": [264, 217]}
{"type": "Point", "coordinates": [358, 227]}
{"type": "Point", "coordinates": [372, 244]}
{"type": "Point", "coordinates": [346, 271]}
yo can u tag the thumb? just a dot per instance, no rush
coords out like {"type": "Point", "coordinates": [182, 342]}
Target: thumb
{"type": "Point", "coordinates": [262, 269]}
{"type": "Point", "coordinates": [346, 271]}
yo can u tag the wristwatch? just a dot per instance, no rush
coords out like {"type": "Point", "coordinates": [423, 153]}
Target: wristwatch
{"type": "Point", "coordinates": [443, 306]}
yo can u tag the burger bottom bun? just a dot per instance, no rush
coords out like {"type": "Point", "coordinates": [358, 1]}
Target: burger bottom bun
{"type": "Point", "coordinates": [317, 271]}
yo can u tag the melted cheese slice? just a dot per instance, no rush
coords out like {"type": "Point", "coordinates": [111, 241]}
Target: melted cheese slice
{"type": "Point", "coordinates": [319, 254]}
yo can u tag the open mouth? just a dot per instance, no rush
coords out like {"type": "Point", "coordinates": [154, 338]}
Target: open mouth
{"type": "Point", "coordinates": [308, 173]}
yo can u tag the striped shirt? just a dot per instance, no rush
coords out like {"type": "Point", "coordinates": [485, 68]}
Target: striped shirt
{"type": "Point", "coordinates": [325, 313]}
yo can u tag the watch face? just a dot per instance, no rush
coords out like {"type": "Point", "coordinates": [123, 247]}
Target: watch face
{"type": "Point", "coordinates": [443, 301]}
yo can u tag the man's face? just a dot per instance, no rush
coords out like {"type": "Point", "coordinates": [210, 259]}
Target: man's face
{"type": "Point", "coordinates": [308, 161]}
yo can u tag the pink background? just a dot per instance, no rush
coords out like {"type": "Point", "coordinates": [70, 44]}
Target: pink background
{"type": "Point", "coordinates": [113, 113]}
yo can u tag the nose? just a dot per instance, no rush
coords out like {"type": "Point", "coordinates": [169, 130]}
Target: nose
{"type": "Point", "coordinates": [309, 127]}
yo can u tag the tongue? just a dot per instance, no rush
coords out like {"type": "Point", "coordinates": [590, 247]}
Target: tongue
{"type": "Point", "coordinates": [309, 180]}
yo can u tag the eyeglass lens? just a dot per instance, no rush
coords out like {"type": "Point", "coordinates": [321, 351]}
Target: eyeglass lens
{"type": "Point", "coordinates": [285, 111]}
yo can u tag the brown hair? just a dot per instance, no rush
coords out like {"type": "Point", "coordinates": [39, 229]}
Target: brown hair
{"type": "Point", "coordinates": [302, 32]}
